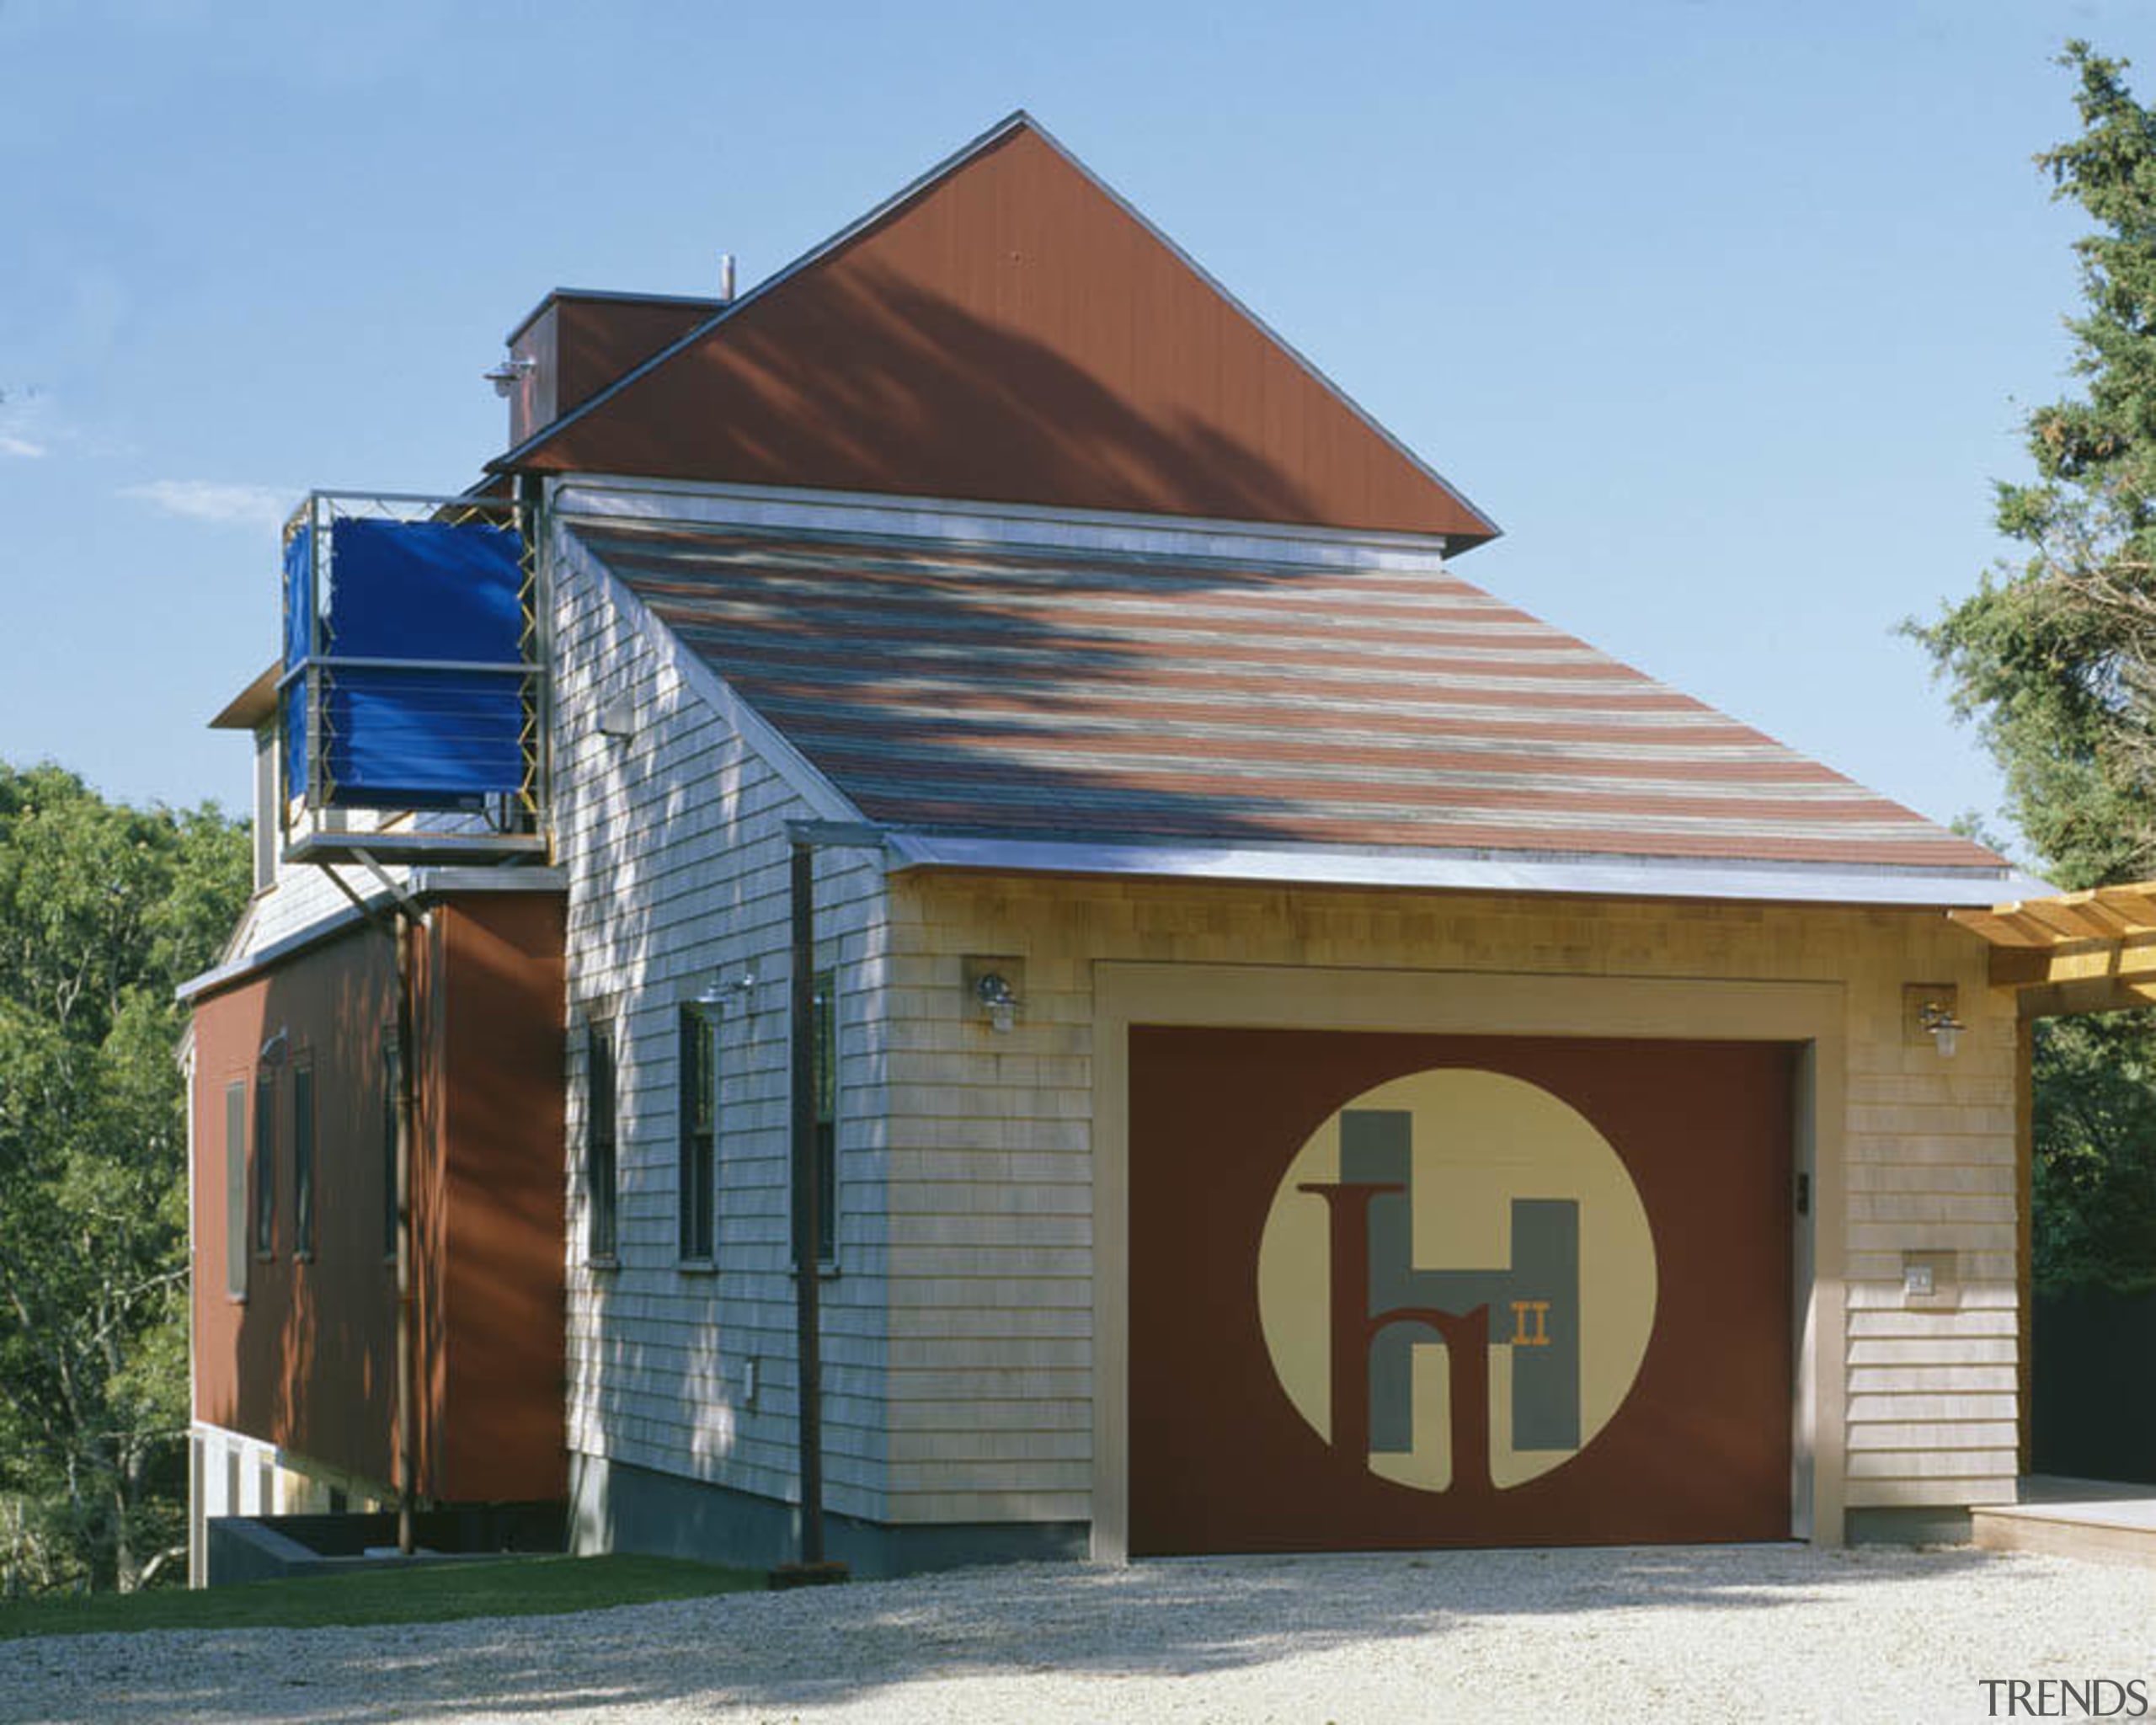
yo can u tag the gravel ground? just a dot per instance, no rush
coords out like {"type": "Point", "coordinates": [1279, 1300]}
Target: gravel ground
{"type": "Point", "coordinates": [1721, 1634]}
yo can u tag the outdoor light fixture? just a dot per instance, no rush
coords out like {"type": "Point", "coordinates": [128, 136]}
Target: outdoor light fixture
{"type": "Point", "coordinates": [997, 998]}
{"type": "Point", "coordinates": [617, 718]}
{"type": "Point", "coordinates": [273, 1051]}
{"type": "Point", "coordinates": [509, 373]}
{"type": "Point", "coordinates": [1938, 1020]}
{"type": "Point", "coordinates": [717, 993]}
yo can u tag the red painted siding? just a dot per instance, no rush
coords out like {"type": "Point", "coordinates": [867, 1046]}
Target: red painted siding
{"type": "Point", "coordinates": [1012, 334]}
{"type": "Point", "coordinates": [307, 1360]}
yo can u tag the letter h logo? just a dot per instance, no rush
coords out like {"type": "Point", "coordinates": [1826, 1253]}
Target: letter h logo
{"type": "Point", "coordinates": [1383, 1305]}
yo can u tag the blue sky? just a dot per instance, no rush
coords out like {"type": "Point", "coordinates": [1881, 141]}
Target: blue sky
{"type": "Point", "coordinates": [1726, 312]}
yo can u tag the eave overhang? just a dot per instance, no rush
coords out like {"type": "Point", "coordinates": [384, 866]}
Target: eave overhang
{"type": "Point", "coordinates": [1463, 871]}
{"type": "Point", "coordinates": [253, 706]}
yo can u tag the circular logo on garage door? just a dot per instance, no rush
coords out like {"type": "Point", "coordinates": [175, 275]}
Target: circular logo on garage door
{"type": "Point", "coordinates": [1457, 1280]}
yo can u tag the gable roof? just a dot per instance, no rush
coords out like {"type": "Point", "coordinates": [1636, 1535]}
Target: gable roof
{"type": "Point", "coordinates": [1052, 696]}
{"type": "Point", "coordinates": [1007, 329]}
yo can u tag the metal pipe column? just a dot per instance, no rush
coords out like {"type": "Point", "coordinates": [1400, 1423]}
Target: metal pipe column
{"type": "Point", "coordinates": [406, 1375]}
{"type": "Point", "coordinates": [808, 1207]}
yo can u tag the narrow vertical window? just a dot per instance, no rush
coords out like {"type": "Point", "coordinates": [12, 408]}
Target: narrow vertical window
{"type": "Point", "coordinates": [699, 1083]}
{"type": "Point", "coordinates": [598, 1137]}
{"type": "Point", "coordinates": [265, 1164]}
{"type": "Point", "coordinates": [265, 807]}
{"type": "Point", "coordinates": [236, 1190]}
{"type": "Point", "coordinates": [824, 1062]}
{"type": "Point", "coordinates": [393, 1076]}
{"type": "Point", "coordinates": [303, 1161]}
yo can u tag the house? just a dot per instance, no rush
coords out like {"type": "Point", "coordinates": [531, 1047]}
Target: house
{"type": "Point", "coordinates": [1300, 1053]}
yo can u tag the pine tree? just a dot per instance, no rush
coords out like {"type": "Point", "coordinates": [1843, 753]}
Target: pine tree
{"type": "Point", "coordinates": [2055, 658]}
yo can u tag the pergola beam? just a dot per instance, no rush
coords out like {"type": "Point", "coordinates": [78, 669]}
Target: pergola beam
{"type": "Point", "coordinates": [2069, 1000]}
{"type": "Point", "coordinates": [2093, 951]}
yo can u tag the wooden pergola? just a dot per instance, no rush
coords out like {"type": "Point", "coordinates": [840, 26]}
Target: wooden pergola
{"type": "Point", "coordinates": [2085, 952]}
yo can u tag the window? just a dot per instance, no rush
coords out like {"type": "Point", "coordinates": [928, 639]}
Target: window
{"type": "Point", "coordinates": [699, 1085]}
{"type": "Point", "coordinates": [392, 1078]}
{"type": "Point", "coordinates": [303, 1161]}
{"type": "Point", "coordinates": [236, 1190]}
{"type": "Point", "coordinates": [598, 1137]}
{"type": "Point", "coordinates": [823, 1062]}
{"type": "Point", "coordinates": [265, 1164]}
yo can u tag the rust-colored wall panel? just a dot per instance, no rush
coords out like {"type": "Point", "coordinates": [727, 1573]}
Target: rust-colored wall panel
{"type": "Point", "coordinates": [307, 1361]}
{"type": "Point", "coordinates": [581, 343]}
{"type": "Point", "coordinates": [1698, 1446]}
{"type": "Point", "coordinates": [599, 340]}
{"type": "Point", "coordinates": [504, 1298]}
{"type": "Point", "coordinates": [1012, 334]}
{"type": "Point", "coordinates": [532, 400]}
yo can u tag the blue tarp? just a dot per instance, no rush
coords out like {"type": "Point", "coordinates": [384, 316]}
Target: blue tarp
{"type": "Point", "coordinates": [423, 589]}
{"type": "Point", "coordinates": [298, 609]}
{"type": "Point", "coordinates": [407, 738]}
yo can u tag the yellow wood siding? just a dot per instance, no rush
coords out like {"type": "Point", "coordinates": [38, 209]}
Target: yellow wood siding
{"type": "Point", "coordinates": [992, 1153]}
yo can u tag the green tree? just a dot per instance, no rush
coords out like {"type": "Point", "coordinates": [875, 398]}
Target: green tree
{"type": "Point", "coordinates": [104, 910]}
{"type": "Point", "coordinates": [2054, 657]}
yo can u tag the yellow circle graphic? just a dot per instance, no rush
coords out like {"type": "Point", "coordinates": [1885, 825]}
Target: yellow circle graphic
{"type": "Point", "coordinates": [1458, 1191]}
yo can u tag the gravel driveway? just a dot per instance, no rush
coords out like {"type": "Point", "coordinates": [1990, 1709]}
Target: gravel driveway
{"type": "Point", "coordinates": [1778, 1633]}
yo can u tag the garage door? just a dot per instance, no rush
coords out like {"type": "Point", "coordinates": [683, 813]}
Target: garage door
{"type": "Point", "coordinates": [1410, 1290]}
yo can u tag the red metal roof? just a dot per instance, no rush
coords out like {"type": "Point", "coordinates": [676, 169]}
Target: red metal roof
{"type": "Point", "coordinates": [1030, 694]}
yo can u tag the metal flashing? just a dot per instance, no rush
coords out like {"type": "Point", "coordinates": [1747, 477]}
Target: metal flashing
{"type": "Point", "coordinates": [607, 296]}
{"type": "Point", "coordinates": [1585, 875]}
{"type": "Point", "coordinates": [721, 503]}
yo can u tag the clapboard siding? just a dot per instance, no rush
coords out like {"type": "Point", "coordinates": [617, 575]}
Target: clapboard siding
{"type": "Point", "coordinates": [986, 1129]}
{"type": "Point", "coordinates": [674, 843]}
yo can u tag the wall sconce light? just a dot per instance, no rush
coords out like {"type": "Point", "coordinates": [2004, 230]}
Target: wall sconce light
{"type": "Point", "coordinates": [273, 1051]}
{"type": "Point", "coordinates": [998, 999]}
{"type": "Point", "coordinates": [617, 718]}
{"type": "Point", "coordinates": [509, 373]}
{"type": "Point", "coordinates": [1937, 1020]}
{"type": "Point", "coordinates": [717, 993]}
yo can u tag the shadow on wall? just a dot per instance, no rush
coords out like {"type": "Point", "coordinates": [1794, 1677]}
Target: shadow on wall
{"type": "Point", "coordinates": [306, 1361]}
{"type": "Point", "coordinates": [621, 1362]}
{"type": "Point", "coordinates": [861, 379]}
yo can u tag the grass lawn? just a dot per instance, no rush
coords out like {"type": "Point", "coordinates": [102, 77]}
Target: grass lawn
{"type": "Point", "coordinates": [427, 1593]}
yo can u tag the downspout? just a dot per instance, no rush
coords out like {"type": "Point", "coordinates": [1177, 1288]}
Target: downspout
{"type": "Point", "coordinates": [805, 838]}
{"type": "Point", "coordinates": [808, 1212]}
{"type": "Point", "coordinates": [196, 1562]}
{"type": "Point", "coordinates": [405, 926]}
